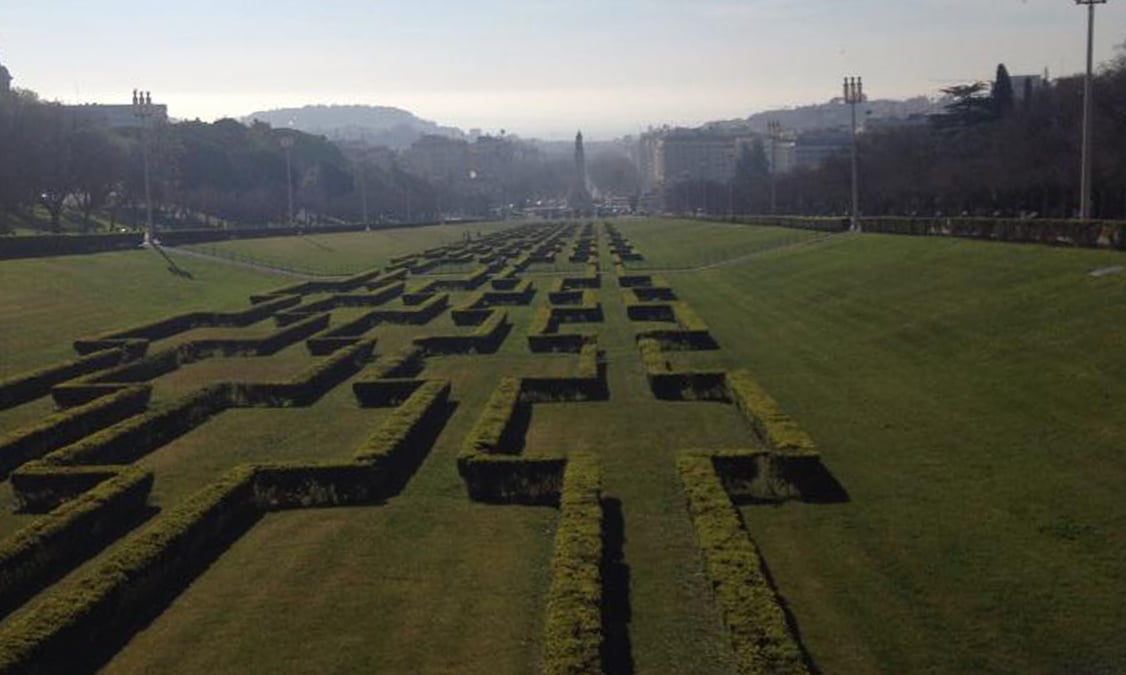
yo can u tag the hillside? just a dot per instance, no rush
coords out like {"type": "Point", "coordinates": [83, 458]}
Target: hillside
{"type": "Point", "coordinates": [377, 125]}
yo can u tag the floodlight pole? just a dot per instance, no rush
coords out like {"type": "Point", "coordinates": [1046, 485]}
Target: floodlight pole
{"type": "Point", "coordinates": [287, 145]}
{"type": "Point", "coordinates": [143, 111]}
{"type": "Point", "coordinates": [853, 94]}
{"type": "Point", "coordinates": [1085, 169]}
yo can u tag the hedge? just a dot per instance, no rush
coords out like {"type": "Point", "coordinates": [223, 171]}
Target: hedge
{"type": "Point", "coordinates": [485, 339]}
{"type": "Point", "coordinates": [71, 632]}
{"type": "Point", "coordinates": [169, 326]}
{"type": "Point", "coordinates": [30, 385]}
{"type": "Point", "coordinates": [430, 307]}
{"type": "Point", "coordinates": [776, 429]}
{"type": "Point", "coordinates": [55, 431]}
{"type": "Point", "coordinates": [39, 487]}
{"type": "Point", "coordinates": [54, 544]}
{"type": "Point", "coordinates": [588, 385]}
{"type": "Point", "coordinates": [488, 432]}
{"type": "Point", "coordinates": [395, 442]}
{"type": "Point", "coordinates": [403, 363]}
{"type": "Point", "coordinates": [305, 387]}
{"type": "Point", "coordinates": [573, 627]}
{"type": "Point", "coordinates": [750, 609]}
{"type": "Point", "coordinates": [131, 439]}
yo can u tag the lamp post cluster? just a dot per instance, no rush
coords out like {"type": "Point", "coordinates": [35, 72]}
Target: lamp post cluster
{"type": "Point", "coordinates": [854, 94]}
{"type": "Point", "coordinates": [143, 110]}
{"type": "Point", "coordinates": [1085, 160]}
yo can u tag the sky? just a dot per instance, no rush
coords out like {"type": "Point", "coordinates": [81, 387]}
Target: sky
{"type": "Point", "coordinates": [538, 68]}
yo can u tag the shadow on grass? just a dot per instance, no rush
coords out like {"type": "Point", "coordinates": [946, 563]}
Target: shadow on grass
{"type": "Point", "coordinates": [617, 654]}
{"type": "Point", "coordinates": [403, 471]}
{"type": "Point", "coordinates": [83, 551]}
{"type": "Point", "coordinates": [116, 627]}
{"type": "Point", "coordinates": [172, 266]}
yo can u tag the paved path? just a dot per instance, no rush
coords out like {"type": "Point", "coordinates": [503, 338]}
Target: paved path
{"type": "Point", "coordinates": [264, 268]}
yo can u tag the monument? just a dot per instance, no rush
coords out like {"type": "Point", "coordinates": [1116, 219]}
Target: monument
{"type": "Point", "coordinates": [578, 199]}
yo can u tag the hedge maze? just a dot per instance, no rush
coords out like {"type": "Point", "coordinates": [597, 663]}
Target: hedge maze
{"type": "Point", "coordinates": [83, 490]}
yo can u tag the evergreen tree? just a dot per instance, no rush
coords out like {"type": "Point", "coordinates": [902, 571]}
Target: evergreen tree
{"type": "Point", "coordinates": [1002, 92]}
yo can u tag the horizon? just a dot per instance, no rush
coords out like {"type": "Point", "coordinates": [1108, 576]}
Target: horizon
{"type": "Point", "coordinates": [544, 69]}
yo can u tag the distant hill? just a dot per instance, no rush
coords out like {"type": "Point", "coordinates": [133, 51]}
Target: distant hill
{"type": "Point", "coordinates": [834, 114]}
{"type": "Point", "coordinates": [376, 125]}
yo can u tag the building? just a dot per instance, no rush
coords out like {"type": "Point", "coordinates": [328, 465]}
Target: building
{"type": "Point", "coordinates": [813, 148]}
{"type": "Point", "coordinates": [1024, 85]}
{"type": "Point", "coordinates": [439, 158]}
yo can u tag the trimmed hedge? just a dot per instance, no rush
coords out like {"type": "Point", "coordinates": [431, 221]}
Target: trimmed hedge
{"type": "Point", "coordinates": [486, 339]}
{"type": "Point", "coordinates": [131, 439]}
{"type": "Point", "coordinates": [52, 545]}
{"type": "Point", "coordinates": [573, 627]}
{"type": "Point", "coordinates": [30, 385]}
{"type": "Point", "coordinates": [169, 326]}
{"type": "Point", "coordinates": [488, 432]}
{"type": "Point", "coordinates": [430, 307]}
{"type": "Point", "coordinates": [40, 487]}
{"type": "Point", "coordinates": [396, 440]}
{"type": "Point", "coordinates": [776, 429]}
{"type": "Point", "coordinates": [588, 385]}
{"type": "Point", "coordinates": [55, 431]}
{"type": "Point", "coordinates": [308, 385]}
{"type": "Point", "coordinates": [401, 364]}
{"type": "Point", "coordinates": [749, 606]}
{"type": "Point", "coordinates": [67, 633]}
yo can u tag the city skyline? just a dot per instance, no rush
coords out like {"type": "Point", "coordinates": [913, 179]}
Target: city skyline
{"type": "Point", "coordinates": [539, 69]}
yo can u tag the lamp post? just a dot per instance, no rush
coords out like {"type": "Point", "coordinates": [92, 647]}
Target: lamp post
{"type": "Point", "coordinates": [774, 130]}
{"type": "Point", "coordinates": [1085, 169]}
{"type": "Point", "coordinates": [143, 110]}
{"type": "Point", "coordinates": [287, 145]}
{"type": "Point", "coordinates": [853, 94]}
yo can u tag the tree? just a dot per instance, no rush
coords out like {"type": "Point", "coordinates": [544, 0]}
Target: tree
{"type": "Point", "coordinates": [969, 106]}
{"type": "Point", "coordinates": [1002, 92]}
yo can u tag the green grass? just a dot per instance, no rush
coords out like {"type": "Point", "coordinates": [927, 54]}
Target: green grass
{"type": "Point", "coordinates": [48, 302]}
{"type": "Point", "coordinates": [679, 244]}
{"type": "Point", "coordinates": [966, 394]}
{"type": "Point", "coordinates": [345, 252]}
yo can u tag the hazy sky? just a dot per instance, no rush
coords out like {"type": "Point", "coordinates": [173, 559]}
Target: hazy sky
{"type": "Point", "coordinates": [534, 67]}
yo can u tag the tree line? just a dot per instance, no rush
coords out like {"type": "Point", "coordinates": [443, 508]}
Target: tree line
{"type": "Point", "coordinates": [990, 153]}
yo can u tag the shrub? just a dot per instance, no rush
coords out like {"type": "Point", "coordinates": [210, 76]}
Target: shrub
{"type": "Point", "coordinates": [30, 385]}
{"type": "Point", "coordinates": [54, 544]}
{"type": "Point", "coordinates": [55, 431]}
{"type": "Point", "coordinates": [750, 609]}
{"type": "Point", "coordinates": [127, 441]}
{"type": "Point", "coordinates": [776, 429]}
{"type": "Point", "coordinates": [69, 632]}
{"type": "Point", "coordinates": [573, 628]}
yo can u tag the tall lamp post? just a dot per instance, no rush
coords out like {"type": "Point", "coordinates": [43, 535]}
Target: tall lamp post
{"type": "Point", "coordinates": [143, 110]}
{"type": "Point", "coordinates": [774, 130]}
{"type": "Point", "coordinates": [1085, 170]}
{"type": "Point", "coordinates": [287, 145]}
{"type": "Point", "coordinates": [853, 94]}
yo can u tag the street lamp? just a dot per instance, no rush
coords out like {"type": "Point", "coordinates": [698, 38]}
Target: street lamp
{"type": "Point", "coordinates": [774, 130]}
{"type": "Point", "coordinates": [1085, 170]}
{"type": "Point", "coordinates": [853, 94]}
{"type": "Point", "coordinates": [287, 145]}
{"type": "Point", "coordinates": [143, 110]}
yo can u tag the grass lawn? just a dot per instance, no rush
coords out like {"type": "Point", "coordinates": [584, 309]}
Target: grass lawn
{"type": "Point", "coordinates": [967, 394]}
{"type": "Point", "coordinates": [346, 252]}
{"type": "Point", "coordinates": [48, 302]}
